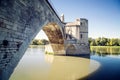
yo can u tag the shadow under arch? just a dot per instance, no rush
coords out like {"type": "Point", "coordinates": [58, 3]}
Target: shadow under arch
{"type": "Point", "coordinates": [55, 34]}
{"type": "Point", "coordinates": [70, 49]}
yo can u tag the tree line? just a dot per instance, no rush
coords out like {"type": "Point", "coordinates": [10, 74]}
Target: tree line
{"type": "Point", "coordinates": [102, 41]}
{"type": "Point", "coordinates": [39, 42]}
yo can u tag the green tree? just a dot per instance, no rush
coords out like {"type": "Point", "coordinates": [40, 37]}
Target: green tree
{"type": "Point", "coordinates": [44, 41]}
{"type": "Point", "coordinates": [98, 41]}
{"type": "Point", "coordinates": [40, 42]}
{"type": "Point", "coordinates": [93, 43]}
{"type": "Point", "coordinates": [36, 42]}
{"type": "Point", "coordinates": [90, 40]}
{"type": "Point", "coordinates": [119, 42]}
{"type": "Point", "coordinates": [115, 42]}
{"type": "Point", "coordinates": [108, 42]}
{"type": "Point", "coordinates": [103, 41]}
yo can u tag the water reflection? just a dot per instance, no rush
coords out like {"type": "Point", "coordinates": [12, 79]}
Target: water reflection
{"type": "Point", "coordinates": [35, 65]}
{"type": "Point", "coordinates": [49, 58]}
{"type": "Point", "coordinates": [104, 51]}
{"type": "Point", "coordinates": [109, 58]}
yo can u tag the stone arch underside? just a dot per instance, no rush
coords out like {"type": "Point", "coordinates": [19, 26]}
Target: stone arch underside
{"type": "Point", "coordinates": [20, 21]}
{"type": "Point", "coordinates": [70, 49]}
{"type": "Point", "coordinates": [55, 37]}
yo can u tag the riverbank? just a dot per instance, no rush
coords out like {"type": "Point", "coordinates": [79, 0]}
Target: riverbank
{"type": "Point", "coordinates": [36, 46]}
{"type": "Point", "coordinates": [114, 50]}
{"type": "Point", "coordinates": [105, 46]}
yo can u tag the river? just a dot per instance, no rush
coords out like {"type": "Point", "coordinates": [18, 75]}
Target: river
{"type": "Point", "coordinates": [36, 65]}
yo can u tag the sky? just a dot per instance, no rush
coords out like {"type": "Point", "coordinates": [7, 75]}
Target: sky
{"type": "Point", "coordinates": [103, 15]}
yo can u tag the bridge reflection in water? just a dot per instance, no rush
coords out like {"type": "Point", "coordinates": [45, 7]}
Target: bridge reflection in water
{"type": "Point", "coordinates": [35, 65]}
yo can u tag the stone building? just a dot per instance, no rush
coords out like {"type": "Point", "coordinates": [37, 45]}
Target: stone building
{"type": "Point", "coordinates": [78, 31]}
{"type": "Point", "coordinates": [76, 36]}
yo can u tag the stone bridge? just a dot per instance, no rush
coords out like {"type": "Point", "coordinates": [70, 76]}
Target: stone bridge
{"type": "Point", "coordinates": [20, 21]}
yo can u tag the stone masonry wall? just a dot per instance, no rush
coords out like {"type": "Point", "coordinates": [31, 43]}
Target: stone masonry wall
{"type": "Point", "coordinates": [20, 21]}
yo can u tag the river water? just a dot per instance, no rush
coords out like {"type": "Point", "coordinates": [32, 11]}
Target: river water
{"type": "Point", "coordinates": [36, 65]}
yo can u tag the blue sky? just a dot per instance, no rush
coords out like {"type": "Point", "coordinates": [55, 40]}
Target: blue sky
{"type": "Point", "coordinates": [103, 15]}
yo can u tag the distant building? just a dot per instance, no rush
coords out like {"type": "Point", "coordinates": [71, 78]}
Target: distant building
{"type": "Point", "coordinates": [76, 33]}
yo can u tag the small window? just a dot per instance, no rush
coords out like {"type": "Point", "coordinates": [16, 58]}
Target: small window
{"type": "Point", "coordinates": [81, 23]}
{"type": "Point", "coordinates": [81, 36]}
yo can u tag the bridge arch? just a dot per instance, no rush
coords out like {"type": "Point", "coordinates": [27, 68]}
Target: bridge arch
{"type": "Point", "coordinates": [20, 21]}
{"type": "Point", "coordinates": [56, 38]}
{"type": "Point", "coordinates": [70, 49]}
{"type": "Point", "coordinates": [54, 33]}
